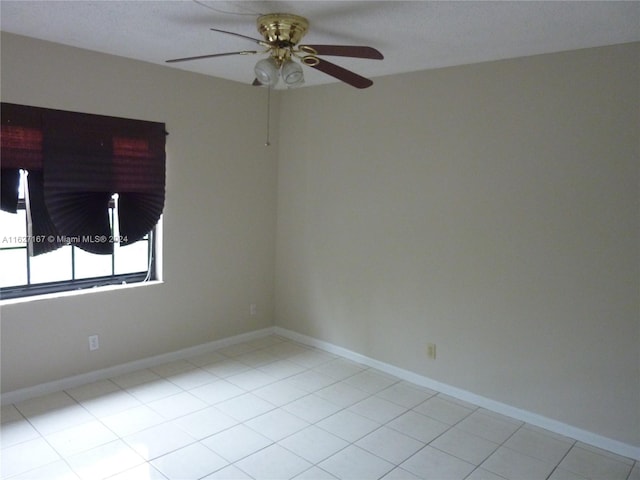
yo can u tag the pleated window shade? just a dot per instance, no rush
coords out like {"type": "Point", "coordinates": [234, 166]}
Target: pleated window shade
{"type": "Point", "coordinates": [20, 148]}
{"type": "Point", "coordinates": [84, 160]}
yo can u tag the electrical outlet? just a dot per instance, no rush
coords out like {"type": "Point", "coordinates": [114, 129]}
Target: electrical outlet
{"type": "Point", "coordinates": [94, 343]}
{"type": "Point", "coordinates": [253, 309]}
{"type": "Point", "coordinates": [431, 351]}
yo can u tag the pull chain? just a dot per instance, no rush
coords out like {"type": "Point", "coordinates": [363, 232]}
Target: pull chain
{"type": "Point", "coordinates": [267, 143]}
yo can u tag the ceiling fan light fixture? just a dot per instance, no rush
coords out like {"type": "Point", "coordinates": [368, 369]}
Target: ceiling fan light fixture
{"type": "Point", "coordinates": [282, 33]}
{"type": "Point", "coordinates": [267, 71]}
{"type": "Point", "coordinates": [292, 73]}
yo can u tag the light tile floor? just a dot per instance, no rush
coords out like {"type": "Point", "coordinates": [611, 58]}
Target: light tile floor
{"type": "Point", "coordinates": [274, 409]}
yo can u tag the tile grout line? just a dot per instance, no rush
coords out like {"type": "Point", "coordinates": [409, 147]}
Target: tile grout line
{"type": "Point", "coordinates": [573, 444]}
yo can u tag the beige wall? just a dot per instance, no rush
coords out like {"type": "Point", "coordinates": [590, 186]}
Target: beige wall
{"type": "Point", "coordinates": [492, 209]}
{"type": "Point", "coordinates": [219, 218]}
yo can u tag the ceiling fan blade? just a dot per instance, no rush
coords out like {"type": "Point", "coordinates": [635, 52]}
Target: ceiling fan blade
{"type": "Point", "coordinates": [345, 51]}
{"type": "Point", "coordinates": [255, 40]}
{"type": "Point", "coordinates": [342, 74]}
{"type": "Point", "coordinates": [185, 59]}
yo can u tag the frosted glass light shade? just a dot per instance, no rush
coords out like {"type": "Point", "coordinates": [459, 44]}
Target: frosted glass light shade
{"type": "Point", "coordinates": [292, 73]}
{"type": "Point", "coordinates": [266, 71]}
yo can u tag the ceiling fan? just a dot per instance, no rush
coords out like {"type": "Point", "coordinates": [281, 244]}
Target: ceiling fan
{"type": "Point", "coordinates": [282, 32]}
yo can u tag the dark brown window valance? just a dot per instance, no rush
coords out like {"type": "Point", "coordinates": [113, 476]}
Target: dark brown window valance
{"type": "Point", "coordinates": [79, 161]}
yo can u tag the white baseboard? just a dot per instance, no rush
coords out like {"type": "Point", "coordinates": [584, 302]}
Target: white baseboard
{"type": "Point", "coordinates": [531, 418]}
{"type": "Point", "coordinates": [97, 375]}
{"type": "Point", "coordinates": [585, 436]}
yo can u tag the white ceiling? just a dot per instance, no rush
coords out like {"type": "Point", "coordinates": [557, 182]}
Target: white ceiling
{"type": "Point", "coordinates": [413, 36]}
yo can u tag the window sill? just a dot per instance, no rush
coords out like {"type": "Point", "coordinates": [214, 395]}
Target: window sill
{"type": "Point", "coordinates": [73, 293]}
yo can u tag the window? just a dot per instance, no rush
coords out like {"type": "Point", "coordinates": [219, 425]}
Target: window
{"type": "Point", "coordinates": [69, 267]}
{"type": "Point", "coordinates": [81, 195]}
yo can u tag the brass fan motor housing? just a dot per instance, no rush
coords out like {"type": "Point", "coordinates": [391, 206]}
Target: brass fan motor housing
{"type": "Point", "coordinates": [283, 30]}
